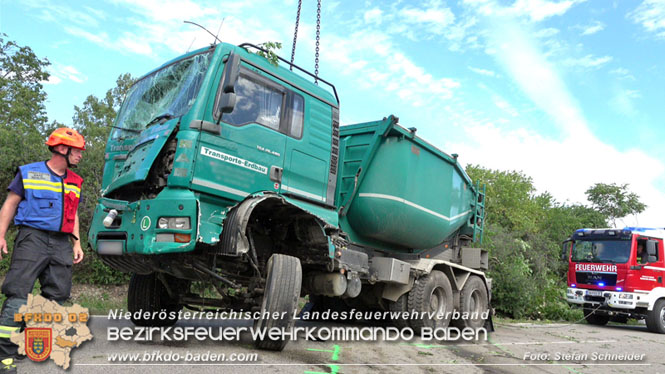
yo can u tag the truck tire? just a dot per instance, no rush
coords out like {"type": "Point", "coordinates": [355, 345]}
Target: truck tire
{"type": "Point", "coordinates": [473, 302]}
{"type": "Point", "coordinates": [595, 319]}
{"type": "Point", "coordinates": [281, 295]}
{"type": "Point", "coordinates": [147, 294]}
{"type": "Point", "coordinates": [656, 317]}
{"type": "Point", "coordinates": [431, 293]}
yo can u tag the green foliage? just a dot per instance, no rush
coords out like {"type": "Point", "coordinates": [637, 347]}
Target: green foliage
{"type": "Point", "coordinates": [510, 202]}
{"type": "Point", "coordinates": [23, 121]}
{"type": "Point", "coordinates": [524, 235]}
{"type": "Point", "coordinates": [614, 201]}
{"type": "Point", "coordinates": [271, 47]}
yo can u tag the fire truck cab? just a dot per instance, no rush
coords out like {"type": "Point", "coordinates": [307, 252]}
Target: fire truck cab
{"type": "Point", "coordinates": [616, 274]}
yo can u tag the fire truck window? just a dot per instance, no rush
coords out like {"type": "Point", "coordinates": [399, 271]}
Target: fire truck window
{"type": "Point", "coordinates": [642, 256]}
{"type": "Point", "coordinates": [601, 251]}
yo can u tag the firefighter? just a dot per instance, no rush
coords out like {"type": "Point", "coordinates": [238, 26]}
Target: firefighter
{"type": "Point", "coordinates": [43, 199]}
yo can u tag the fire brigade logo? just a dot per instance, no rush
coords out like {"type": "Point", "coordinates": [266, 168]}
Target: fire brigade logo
{"type": "Point", "coordinates": [38, 343]}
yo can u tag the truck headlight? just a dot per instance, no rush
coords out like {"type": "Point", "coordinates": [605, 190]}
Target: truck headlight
{"type": "Point", "coordinates": [178, 223]}
{"type": "Point", "coordinates": [626, 296]}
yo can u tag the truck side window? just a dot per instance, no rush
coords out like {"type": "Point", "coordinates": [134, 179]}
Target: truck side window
{"type": "Point", "coordinates": [642, 254]}
{"type": "Point", "coordinates": [256, 102]}
{"type": "Point", "coordinates": [297, 109]}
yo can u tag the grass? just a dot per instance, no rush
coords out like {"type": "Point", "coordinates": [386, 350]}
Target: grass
{"type": "Point", "coordinates": [90, 297]}
{"type": "Point", "coordinates": [100, 305]}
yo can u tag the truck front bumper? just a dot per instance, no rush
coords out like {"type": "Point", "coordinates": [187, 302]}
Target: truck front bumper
{"type": "Point", "coordinates": [613, 299]}
{"type": "Point", "coordinates": [136, 229]}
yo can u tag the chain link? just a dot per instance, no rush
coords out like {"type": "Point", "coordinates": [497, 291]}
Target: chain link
{"type": "Point", "coordinates": [318, 38]}
{"type": "Point", "coordinates": [295, 35]}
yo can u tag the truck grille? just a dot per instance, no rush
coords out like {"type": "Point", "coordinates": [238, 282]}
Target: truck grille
{"type": "Point", "coordinates": [598, 299]}
{"type": "Point", "coordinates": [586, 277]}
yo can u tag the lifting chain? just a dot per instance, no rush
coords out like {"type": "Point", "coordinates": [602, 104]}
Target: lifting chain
{"type": "Point", "coordinates": [295, 35]}
{"type": "Point", "coordinates": [318, 32]}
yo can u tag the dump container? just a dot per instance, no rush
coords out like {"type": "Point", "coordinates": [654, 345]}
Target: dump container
{"type": "Point", "coordinates": [397, 190]}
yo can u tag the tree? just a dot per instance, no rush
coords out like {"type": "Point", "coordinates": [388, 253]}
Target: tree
{"type": "Point", "coordinates": [614, 201]}
{"type": "Point", "coordinates": [509, 199]}
{"type": "Point", "coordinates": [23, 120]}
{"type": "Point", "coordinates": [523, 233]}
{"type": "Point", "coordinates": [271, 56]}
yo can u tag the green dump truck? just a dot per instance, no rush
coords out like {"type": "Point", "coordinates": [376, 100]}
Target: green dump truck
{"type": "Point", "coordinates": [225, 169]}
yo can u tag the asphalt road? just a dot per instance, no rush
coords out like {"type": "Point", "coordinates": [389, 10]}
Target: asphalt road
{"type": "Point", "coordinates": [512, 348]}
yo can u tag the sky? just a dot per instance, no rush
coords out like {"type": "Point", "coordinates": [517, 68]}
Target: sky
{"type": "Point", "coordinates": [569, 92]}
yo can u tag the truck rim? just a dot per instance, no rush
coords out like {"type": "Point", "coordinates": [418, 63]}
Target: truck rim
{"type": "Point", "coordinates": [475, 302]}
{"type": "Point", "coordinates": [662, 316]}
{"type": "Point", "coordinates": [437, 302]}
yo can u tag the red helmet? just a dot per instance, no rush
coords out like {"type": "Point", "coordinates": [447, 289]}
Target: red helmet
{"type": "Point", "coordinates": [66, 136]}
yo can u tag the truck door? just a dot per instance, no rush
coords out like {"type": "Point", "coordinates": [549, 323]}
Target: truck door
{"type": "Point", "coordinates": [652, 273]}
{"type": "Point", "coordinates": [248, 157]}
{"type": "Point", "coordinates": [308, 151]}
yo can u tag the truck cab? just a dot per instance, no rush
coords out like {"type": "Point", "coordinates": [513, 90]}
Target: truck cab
{"type": "Point", "coordinates": [616, 274]}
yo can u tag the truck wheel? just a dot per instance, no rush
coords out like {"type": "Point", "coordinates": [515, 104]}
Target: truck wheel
{"type": "Point", "coordinates": [595, 319]}
{"type": "Point", "coordinates": [473, 303]}
{"type": "Point", "coordinates": [656, 317]}
{"type": "Point", "coordinates": [431, 294]}
{"type": "Point", "coordinates": [281, 295]}
{"type": "Point", "coordinates": [147, 294]}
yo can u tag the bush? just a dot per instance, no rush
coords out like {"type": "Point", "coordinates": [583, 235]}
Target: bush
{"type": "Point", "coordinates": [525, 280]}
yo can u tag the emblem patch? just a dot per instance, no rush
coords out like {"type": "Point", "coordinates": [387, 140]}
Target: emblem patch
{"type": "Point", "coordinates": [39, 176]}
{"type": "Point", "coordinates": [38, 343]}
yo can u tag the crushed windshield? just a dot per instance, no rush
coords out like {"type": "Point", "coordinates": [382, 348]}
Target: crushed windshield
{"type": "Point", "coordinates": [601, 251]}
{"type": "Point", "coordinates": [164, 94]}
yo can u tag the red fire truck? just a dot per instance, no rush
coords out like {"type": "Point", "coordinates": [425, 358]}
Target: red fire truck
{"type": "Point", "coordinates": [616, 274]}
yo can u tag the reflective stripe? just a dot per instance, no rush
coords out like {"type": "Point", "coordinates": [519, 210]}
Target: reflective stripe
{"type": "Point", "coordinates": [6, 331]}
{"type": "Point", "coordinates": [30, 187]}
{"type": "Point", "coordinates": [72, 187]}
{"type": "Point", "coordinates": [38, 181]}
{"type": "Point", "coordinates": [74, 192]}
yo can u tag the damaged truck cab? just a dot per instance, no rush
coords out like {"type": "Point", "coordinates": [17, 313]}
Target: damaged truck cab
{"type": "Point", "coordinates": [226, 169]}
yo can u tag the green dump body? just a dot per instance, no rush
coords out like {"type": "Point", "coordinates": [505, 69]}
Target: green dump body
{"type": "Point", "coordinates": [400, 193]}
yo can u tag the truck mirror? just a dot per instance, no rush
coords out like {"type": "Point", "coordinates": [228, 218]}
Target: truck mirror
{"type": "Point", "coordinates": [652, 247]}
{"type": "Point", "coordinates": [227, 102]}
{"type": "Point", "coordinates": [652, 258]}
{"type": "Point", "coordinates": [231, 72]}
{"type": "Point", "coordinates": [564, 250]}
